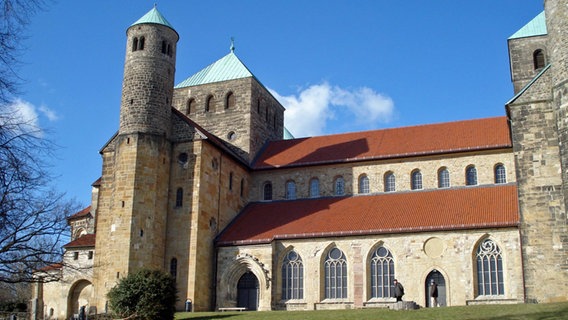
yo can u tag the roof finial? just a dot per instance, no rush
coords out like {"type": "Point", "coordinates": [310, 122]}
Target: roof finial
{"type": "Point", "coordinates": [232, 44]}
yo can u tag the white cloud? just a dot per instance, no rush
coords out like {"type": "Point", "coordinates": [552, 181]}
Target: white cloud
{"type": "Point", "coordinates": [24, 116]}
{"type": "Point", "coordinates": [310, 111]}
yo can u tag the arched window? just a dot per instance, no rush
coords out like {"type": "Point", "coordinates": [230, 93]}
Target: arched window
{"type": "Point", "coordinates": [364, 184]}
{"type": "Point", "coordinates": [443, 178]}
{"type": "Point", "coordinates": [170, 53]}
{"type": "Point", "coordinates": [489, 269]}
{"type": "Point", "coordinates": [339, 186]}
{"type": "Point", "coordinates": [290, 190]}
{"type": "Point", "coordinates": [141, 43]}
{"type": "Point", "coordinates": [382, 273]}
{"type": "Point", "coordinates": [416, 180]}
{"type": "Point", "coordinates": [230, 181]}
{"type": "Point", "coordinates": [538, 59]}
{"type": "Point", "coordinates": [470, 176]}
{"type": "Point", "coordinates": [267, 191]}
{"type": "Point", "coordinates": [500, 173]}
{"type": "Point", "coordinates": [173, 268]}
{"type": "Point", "coordinates": [292, 276]}
{"type": "Point", "coordinates": [335, 275]}
{"type": "Point", "coordinates": [209, 104]}
{"type": "Point", "coordinates": [390, 182]}
{"type": "Point", "coordinates": [179, 197]}
{"type": "Point", "coordinates": [314, 188]}
{"type": "Point", "coordinates": [230, 101]}
{"type": "Point", "coordinates": [134, 44]}
{"type": "Point", "coordinates": [164, 47]}
{"type": "Point", "coordinates": [191, 106]}
{"type": "Point", "coordinates": [242, 187]}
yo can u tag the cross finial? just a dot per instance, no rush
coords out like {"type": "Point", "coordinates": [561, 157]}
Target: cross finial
{"type": "Point", "coordinates": [232, 44]}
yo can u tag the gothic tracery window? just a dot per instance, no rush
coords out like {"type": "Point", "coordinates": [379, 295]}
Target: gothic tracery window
{"type": "Point", "coordinates": [335, 275]}
{"type": "Point", "coordinates": [292, 276]}
{"type": "Point", "coordinates": [382, 273]}
{"type": "Point", "coordinates": [489, 269]}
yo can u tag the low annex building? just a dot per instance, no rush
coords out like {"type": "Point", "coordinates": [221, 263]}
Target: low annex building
{"type": "Point", "coordinates": [199, 181]}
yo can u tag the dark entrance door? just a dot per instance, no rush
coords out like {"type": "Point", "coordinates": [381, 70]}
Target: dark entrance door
{"type": "Point", "coordinates": [441, 282]}
{"type": "Point", "coordinates": [247, 291]}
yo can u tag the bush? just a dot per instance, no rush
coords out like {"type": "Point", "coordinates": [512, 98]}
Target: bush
{"type": "Point", "coordinates": [144, 295]}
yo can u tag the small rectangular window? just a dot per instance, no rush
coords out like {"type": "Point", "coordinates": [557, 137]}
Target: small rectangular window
{"type": "Point", "coordinates": [75, 255]}
{"type": "Point", "coordinates": [90, 255]}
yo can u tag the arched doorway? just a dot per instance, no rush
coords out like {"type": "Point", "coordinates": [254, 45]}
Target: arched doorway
{"type": "Point", "coordinates": [437, 277]}
{"type": "Point", "coordinates": [79, 295]}
{"type": "Point", "coordinates": [247, 291]}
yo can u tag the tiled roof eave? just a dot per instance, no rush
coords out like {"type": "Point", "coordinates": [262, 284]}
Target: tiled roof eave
{"type": "Point", "coordinates": [511, 224]}
{"type": "Point", "coordinates": [386, 157]}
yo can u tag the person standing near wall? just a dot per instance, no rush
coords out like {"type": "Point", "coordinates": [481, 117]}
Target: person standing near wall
{"type": "Point", "coordinates": [398, 290]}
{"type": "Point", "coordinates": [433, 294]}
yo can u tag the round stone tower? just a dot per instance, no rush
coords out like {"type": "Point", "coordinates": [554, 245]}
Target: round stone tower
{"type": "Point", "coordinates": [149, 69]}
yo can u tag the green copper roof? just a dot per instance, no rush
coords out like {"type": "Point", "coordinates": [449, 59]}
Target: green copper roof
{"type": "Point", "coordinates": [153, 16]}
{"type": "Point", "coordinates": [287, 134]}
{"type": "Point", "coordinates": [227, 68]}
{"type": "Point", "coordinates": [536, 27]}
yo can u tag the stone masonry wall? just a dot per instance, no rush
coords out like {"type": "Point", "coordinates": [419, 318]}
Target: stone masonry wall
{"type": "Point", "coordinates": [521, 59]}
{"type": "Point", "coordinates": [375, 170]}
{"type": "Point", "coordinates": [453, 255]}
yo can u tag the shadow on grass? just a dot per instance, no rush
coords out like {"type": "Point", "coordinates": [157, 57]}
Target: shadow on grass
{"type": "Point", "coordinates": [206, 316]}
{"type": "Point", "coordinates": [547, 315]}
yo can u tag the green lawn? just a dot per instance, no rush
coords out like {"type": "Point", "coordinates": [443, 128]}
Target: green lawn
{"type": "Point", "coordinates": [552, 311]}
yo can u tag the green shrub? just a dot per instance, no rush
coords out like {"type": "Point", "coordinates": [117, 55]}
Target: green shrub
{"type": "Point", "coordinates": [144, 295]}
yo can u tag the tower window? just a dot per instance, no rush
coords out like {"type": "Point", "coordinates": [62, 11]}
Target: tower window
{"type": "Point", "coordinates": [190, 105]}
{"type": "Point", "coordinates": [209, 104]}
{"type": "Point", "coordinates": [538, 59]}
{"type": "Point", "coordinates": [169, 53]}
{"type": "Point", "coordinates": [164, 47]}
{"type": "Point", "coordinates": [134, 44]}
{"type": "Point", "coordinates": [141, 44]}
{"type": "Point", "coordinates": [231, 181]}
{"type": "Point", "coordinates": [230, 101]}
{"type": "Point", "coordinates": [179, 198]}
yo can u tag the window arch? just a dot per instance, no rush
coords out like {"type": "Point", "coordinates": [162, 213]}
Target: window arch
{"type": "Point", "coordinates": [209, 104]}
{"type": "Point", "coordinates": [470, 176]}
{"type": "Point", "coordinates": [335, 275]}
{"type": "Point", "coordinates": [489, 269]}
{"type": "Point", "coordinates": [500, 173]}
{"type": "Point", "coordinates": [267, 191]}
{"type": "Point", "coordinates": [173, 268]}
{"type": "Point", "coordinates": [191, 106]}
{"type": "Point", "coordinates": [339, 186]}
{"type": "Point", "coordinates": [179, 197]}
{"type": "Point", "coordinates": [538, 59]}
{"type": "Point", "coordinates": [364, 184]}
{"type": "Point", "coordinates": [290, 190]}
{"type": "Point", "coordinates": [314, 188]}
{"type": "Point", "coordinates": [134, 44]}
{"type": "Point", "coordinates": [443, 178]}
{"type": "Point", "coordinates": [141, 43]}
{"type": "Point", "coordinates": [390, 182]}
{"type": "Point", "coordinates": [292, 276]}
{"type": "Point", "coordinates": [416, 180]}
{"type": "Point", "coordinates": [230, 101]}
{"type": "Point", "coordinates": [382, 273]}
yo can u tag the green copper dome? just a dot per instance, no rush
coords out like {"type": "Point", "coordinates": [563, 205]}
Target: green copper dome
{"type": "Point", "coordinates": [153, 16]}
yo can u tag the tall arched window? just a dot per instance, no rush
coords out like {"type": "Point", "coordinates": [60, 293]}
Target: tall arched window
{"type": "Point", "coordinates": [390, 182]}
{"type": "Point", "coordinates": [242, 187]}
{"type": "Point", "coordinates": [443, 178]}
{"type": "Point", "coordinates": [209, 104]}
{"type": "Point", "coordinates": [230, 181]}
{"type": "Point", "coordinates": [538, 59]}
{"type": "Point", "coordinates": [292, 276]}
{"type": "Point", "coordinates": [339, 186]}
{"type": "Point", "coordinates": [179, 197]}
{"type": "Point", "coordinates": [173, 268]}
{"type": "Point", "coordinates": [267, 191]}
{"type": "Point", "coordinates": [314, 188]}
{"type": "Point", "coordinates": [134, 44]}
{"type": "Point", "coordinates": [191, 106]}
{"type": "Point", "coordinates": [364, 184]}
{"type": "Point", "coordinates": [335, 275]}
{"type": "Point", "coordinates": [416, 180]}
{"type": "Point", "coordinates": [141, 43]}
{"type": "Point", "coordinates": [164, 47]}
{"type": "Point", "coordinates": [470, 176]}
{"type": "Point", "coordinates": [489, 269]}
{"type": "Point", "coordinates": [230, 101]}
{"type": "Point", "coordinates": [290, 190]}
{"type": "Point", "coordinates": [500, 173]}
{"type": "Point", "coordinates": [382, 273]}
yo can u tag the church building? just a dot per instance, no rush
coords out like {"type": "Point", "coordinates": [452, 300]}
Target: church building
{"type": "Point", "coordinates": [202, 180]}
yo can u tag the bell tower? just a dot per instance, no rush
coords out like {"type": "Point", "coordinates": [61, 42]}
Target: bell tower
{"type": "Point", "coordinates": [132, 213]}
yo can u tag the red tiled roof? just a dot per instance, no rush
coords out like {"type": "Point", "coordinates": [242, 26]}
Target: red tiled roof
{"type": "Point", "coordinates": [460, 136]}
{"type": "Point", "coordinates": [80, 214]}
{"type": "Point", "coordinates": [87, 240]}
{"type": "Point", "coordinates": [413, 211]}
{"type": "Point", "coordinates": [54, 266]}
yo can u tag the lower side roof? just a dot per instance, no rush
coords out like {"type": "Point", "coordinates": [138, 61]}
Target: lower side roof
{"type": "Point", "coordinates": [461, 208]}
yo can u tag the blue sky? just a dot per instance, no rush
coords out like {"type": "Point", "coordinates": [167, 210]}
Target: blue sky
{"type": "Point", "coordinates": [337, 66]}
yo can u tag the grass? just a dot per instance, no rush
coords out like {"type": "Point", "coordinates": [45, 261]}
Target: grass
{"type": "Point", "coordinates": [550, 311]}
